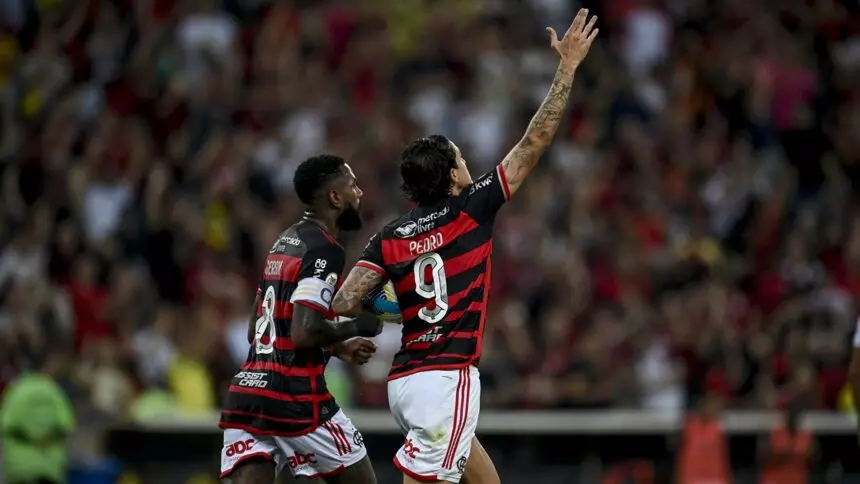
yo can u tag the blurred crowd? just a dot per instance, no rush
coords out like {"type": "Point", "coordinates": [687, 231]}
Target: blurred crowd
{"type": "Point", "coordinates": [694, 227]}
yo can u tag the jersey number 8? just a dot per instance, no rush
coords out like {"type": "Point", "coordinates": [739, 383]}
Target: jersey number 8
{"type": "Point", "coordinates": [436, 289]}
{"type": "Point", "coordinates": [264, 329]}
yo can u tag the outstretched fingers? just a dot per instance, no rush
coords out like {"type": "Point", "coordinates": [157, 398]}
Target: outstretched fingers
{"type": "Point", "coordinates": [590, 27]}
{"type": "Point", "coordinates": [578, 21]}
{"type": "Point", "coordinates": [553, 37]}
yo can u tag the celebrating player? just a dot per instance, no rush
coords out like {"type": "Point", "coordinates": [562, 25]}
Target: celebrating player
{"type": "Point", "coordinates": [438, 258]}
{"type": "Point", "coordinates": [279, 412]}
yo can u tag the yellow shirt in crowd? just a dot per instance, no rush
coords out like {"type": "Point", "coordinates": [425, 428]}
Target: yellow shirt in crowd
{"type": "Point", "coordinates": [192, 386]}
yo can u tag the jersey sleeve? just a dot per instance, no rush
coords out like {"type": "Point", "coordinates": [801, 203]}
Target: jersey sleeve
{"type": "Point", "coordinates": [486, 195]}
{"type": "Point", "coordinates": [318, 275]}
{"type": "Point", "coordinates": [371, 258]}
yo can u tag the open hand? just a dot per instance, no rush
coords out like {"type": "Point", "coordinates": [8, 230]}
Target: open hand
{"type": "Point", "coordinates": [356, 350]}
{"type": "Point", "coordinates": [573, 47]}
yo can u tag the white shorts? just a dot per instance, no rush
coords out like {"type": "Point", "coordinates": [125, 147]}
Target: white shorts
{"type": "Point", "coordinates": [331, 448]}
{"type": "Point", "coordinates": [438, 412]}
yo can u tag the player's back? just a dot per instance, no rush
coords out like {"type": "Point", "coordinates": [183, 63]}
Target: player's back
{"type": "Point", "coordinates": [438, 259]}
{"type": "Point", "coordinates": [281, 389]}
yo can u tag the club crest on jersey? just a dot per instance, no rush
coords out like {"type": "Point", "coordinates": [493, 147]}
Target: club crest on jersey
{"type": "Point", "coordinates": [407, 230]}
{"type": "Point", "coordinates": [331, 279]}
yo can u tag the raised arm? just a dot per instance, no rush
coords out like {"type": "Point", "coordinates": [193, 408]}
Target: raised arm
{"type": "Point", "coordinates": [572, 49]}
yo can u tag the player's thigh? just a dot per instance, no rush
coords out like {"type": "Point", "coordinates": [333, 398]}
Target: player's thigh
{"type": "Point", "coordinates": [438, 412]}
{"type": "Point", "coordinates": [249, 456]}
{"type": "Point", "coordinates": [330, 450]}
{"type": "Point", "coordinates": [359, 473]}
{"type": "Point", "coordinates": [256, 470]}
{"type": "Point", "coordinates": [480, 468]}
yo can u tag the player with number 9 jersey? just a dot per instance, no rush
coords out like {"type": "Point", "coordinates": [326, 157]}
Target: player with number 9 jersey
{"type": "Point", "coordinates": [437, 257]}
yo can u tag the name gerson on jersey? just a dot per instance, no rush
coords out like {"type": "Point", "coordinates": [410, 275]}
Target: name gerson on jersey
{"type": "Point", "coordinates": [280, 389]}
{"type": "Point", "coordinates": [438, 258]}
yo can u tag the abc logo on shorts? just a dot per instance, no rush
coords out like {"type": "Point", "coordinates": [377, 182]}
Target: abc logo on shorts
{"type": "Point", "coordinates": [239, 447]}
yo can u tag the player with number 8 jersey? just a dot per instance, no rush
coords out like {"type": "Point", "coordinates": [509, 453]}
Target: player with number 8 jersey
{"type": "Point", "coordinates": [279, 413]}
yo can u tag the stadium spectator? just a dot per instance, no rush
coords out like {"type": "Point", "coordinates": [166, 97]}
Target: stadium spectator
{"type": "Point", "coordinates": [699, 213]}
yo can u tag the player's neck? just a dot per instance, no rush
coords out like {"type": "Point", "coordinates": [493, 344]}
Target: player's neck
{"type": "Point", "coordinates": [329, 226]}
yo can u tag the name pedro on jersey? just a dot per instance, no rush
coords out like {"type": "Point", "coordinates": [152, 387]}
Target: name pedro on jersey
{"type": "Point", "coordinates": [427, 244]}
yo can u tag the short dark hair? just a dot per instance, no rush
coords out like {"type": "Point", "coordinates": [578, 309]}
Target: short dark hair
{"type": "Point", "coordinates": [425, 167]}
{"type": "Point", "coordinates": [313, 174]}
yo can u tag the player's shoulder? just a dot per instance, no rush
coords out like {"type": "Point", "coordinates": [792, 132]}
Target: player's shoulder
{"type": "Point", "coordinates": [482, 183]}
{"type": "Point", "coordinates": [420, 220]}
{"type": "Point", "coordinates": [302, 237]}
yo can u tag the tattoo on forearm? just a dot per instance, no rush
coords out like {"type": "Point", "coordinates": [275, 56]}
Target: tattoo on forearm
{"type": "Point", "coordinates": [359, 282]}
{"type": "Point", "coordinates": [540, 132]}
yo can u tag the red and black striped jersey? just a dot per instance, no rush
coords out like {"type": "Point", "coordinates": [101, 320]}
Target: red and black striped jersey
{"type": "Point", "coordinates": [280, 389]}
{"type": "Point", "coordinates": [438, 258]}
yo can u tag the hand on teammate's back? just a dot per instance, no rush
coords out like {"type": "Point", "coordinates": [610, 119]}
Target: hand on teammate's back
{"type": "Point", "coordinates": [573, 47]}
{"type": "Point", "coordinates": [357, 350]}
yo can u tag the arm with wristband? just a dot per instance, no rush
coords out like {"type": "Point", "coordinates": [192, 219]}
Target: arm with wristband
{"type": "Point", "coordinates": [314, 325]}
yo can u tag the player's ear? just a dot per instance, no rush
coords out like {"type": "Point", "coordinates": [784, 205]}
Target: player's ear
{"type": "Point", "coordinates": [335, 199]}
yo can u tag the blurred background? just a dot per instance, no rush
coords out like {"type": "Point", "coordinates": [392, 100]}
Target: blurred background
{"type": "Point", "coordinates": [694, 230]}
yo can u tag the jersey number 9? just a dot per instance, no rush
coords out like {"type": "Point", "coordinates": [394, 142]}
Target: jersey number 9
{"type": "Point", "coordinates": [435, 289]}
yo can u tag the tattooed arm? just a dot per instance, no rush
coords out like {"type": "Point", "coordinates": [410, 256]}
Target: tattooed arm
{"type": "Point", "coordinates": [525, 155]}
{"type": "Point", "coordinates": [348, 300]}
{"type": "Point", "coordinates": [572, 49]}
{"type": "Point", "coordinates": [313, 323]}
{"type": "Point", "coordinates": [311, 329]}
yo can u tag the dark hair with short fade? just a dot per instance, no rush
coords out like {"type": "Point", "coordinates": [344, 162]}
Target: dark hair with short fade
{"type": "Point", "coordinates": [425, 168]}
{"type": "Point", "coordinates": [315, 173]}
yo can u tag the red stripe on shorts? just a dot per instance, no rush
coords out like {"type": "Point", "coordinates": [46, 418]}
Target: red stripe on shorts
{"type": "Point", "coordinates": [339, 429]}
{"type": "Point", "coordinates": [335, 438]}
{"type": "Point", "coordinates": [461, 416]}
